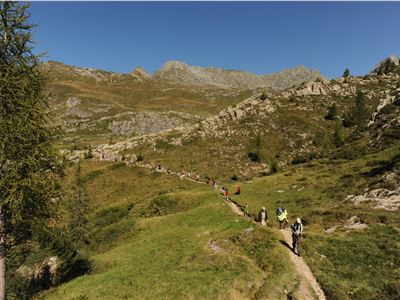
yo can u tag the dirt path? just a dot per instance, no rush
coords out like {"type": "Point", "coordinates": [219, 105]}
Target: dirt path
{"type": "Point", "coordinates": [236, 210]}
{"type": "Point", "coordinates": [302, 268]}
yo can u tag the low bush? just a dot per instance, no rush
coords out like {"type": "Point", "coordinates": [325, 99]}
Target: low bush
{"type": "Point", "coordinates": [110, 215]}
{"type": "Point", "coordinates": [116, 166]}
{"type": "Point", "coordinates": [253, 156]}
{"type": "Point", "coordinates": [161, 205]}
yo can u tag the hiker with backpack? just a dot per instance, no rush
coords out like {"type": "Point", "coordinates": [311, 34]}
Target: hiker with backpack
{"type": "Point", "coordinates": [297, 231]}
{"type": "Point", "coordinates": [263, 216]}
{"type": "Point", "coordinates": [282, 217]}
{"type": "Point", "coordinates": [246, 210]}
{"type": "Point", "coordinates": [226, 194]}
{"type": "Point", "coordinates": [238, 190]}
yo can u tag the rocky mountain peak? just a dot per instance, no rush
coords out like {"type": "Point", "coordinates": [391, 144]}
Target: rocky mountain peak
{"type": "Point", "coordinates": [182, 73]}
{"type": "Point", "coordinates": [172, 65]}
{"type": "Point", "coordinates": [388, 65]}
{"type": "Point", "coordinates": [140, 74]}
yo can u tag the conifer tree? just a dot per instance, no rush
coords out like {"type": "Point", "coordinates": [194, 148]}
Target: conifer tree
{"type": "Point", "coordinates": [30, 166]}
{"type": "Point", "coordinates": [332, 112]}
{"type": "Point", "coordinates": [78, 209]}
{"type": "Point", "coordinates": [337, 136]}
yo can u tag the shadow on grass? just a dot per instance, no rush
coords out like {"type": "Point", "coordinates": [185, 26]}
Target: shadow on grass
{"type": "Point", "coordinates": [284, 243]}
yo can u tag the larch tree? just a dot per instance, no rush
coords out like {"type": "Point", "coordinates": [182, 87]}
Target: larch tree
{"type": "Point", "coordinates": [30, 165]}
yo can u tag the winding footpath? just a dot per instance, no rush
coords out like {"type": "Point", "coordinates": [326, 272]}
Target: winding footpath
{"type": "Point", "coordinates": [303, 270]}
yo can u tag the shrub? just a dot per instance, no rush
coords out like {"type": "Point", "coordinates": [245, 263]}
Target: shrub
{"type": "Point", "coordinates": [346, 73]}
{"type": "Point", "coordinates": [332, 113]}
{"type": "Point", "coordinates": [337, 137]}
{"type": "Point", "coordinates": [234, 178]}
{"type": "Point", "coordinates": [263, 97]}
{"type": "Point", "coordinates": [140, 157]}
{"type": "Point", "coordinates": [160, 206]}
{"type": "Point", "coordinates": [274, 166]}
{"type": "Point", "coordinates": [253, 156]}
{"type": "Point", "coordinates": [111, 215]}
{"type": "Point", "coordinates": [88, 154]}
{"type": "Point", "coordinates": [116, 165]}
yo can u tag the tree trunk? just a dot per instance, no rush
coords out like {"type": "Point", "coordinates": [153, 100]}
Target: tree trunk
{"type": "Point", "coordinates": [2, 254]}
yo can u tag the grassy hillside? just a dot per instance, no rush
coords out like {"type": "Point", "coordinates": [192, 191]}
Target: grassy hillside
{"type": "Point", "coordinates": [180, 240]}
{"type": "Point", "coordinates": [154, 235]}
{"type": "Point", "coordinates": [350, 263]}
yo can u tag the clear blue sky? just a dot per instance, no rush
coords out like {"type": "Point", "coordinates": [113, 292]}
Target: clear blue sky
{"type": "Point", "coordinates": [262, 37]}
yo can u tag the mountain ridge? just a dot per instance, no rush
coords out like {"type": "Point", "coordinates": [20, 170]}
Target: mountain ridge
{"type": "Point", "coordinates": [182, 73]}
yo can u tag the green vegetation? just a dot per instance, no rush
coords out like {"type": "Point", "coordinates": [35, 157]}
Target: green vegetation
{"type": "Point", "coordinates": [343, 261]}
{"type": "Point", "coordinates": [332, 112]}
{"type": "Point", "coordinates": [30, 165]}
{"type": "Point", "coordinates": [183, 242]}
{"type": "Point", "coordinates": [359, 113]}
{"type": "Point", "coordinates": [256, 155]}
{"type": "Point", "coordinates": [338, 136]}
{"type": "Point", "coordinates": [346, 73]}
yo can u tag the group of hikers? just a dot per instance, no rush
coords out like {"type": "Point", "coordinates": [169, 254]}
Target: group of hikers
{"type": "Point", "coordinates": [282, 218]}
{"type": "Point", "coordinates": [261, 217]}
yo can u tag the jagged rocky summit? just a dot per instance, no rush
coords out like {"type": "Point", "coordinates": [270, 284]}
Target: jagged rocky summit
{"type": "Point", "coordinates": [179, 72]}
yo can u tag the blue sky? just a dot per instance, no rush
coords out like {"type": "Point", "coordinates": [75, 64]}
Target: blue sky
{"type": "Point", "coordinates": [261, 37]}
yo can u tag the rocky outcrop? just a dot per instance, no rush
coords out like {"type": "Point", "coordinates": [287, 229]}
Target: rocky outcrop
{"type": "Point", "coordinates": [382, 198]}
{"type": "Point", "coordinates": [140, 74]}
{"type": "Point", "coordinates": [149, 122]}
{"type": "Point", "coordinates": [44, 273]}
{"type": "Point", "coordinates": [309, 88]}
{"type": "Point", "coordinates": [179, 72]}
{"type": "Point", "coordinates": [389, 99]}
{"type": "Point", "coordinates": [386, 66]}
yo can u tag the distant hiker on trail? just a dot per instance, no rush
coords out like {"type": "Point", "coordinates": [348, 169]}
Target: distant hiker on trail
{"type": "Point", "coordinates": [222, 190]}
{"type": "Point", "coordinates": [297, 231]}
{"type": "Point", "coordinates": [215, 184]}
{"type": "Point", "coordinates": [246, 210]}
{"type": "Point", "coordinates": [226, 194]}
{"type": "Point", "coordinates": [263, 216]}
{"type": "Point", "coordinates": [282, 217]}
{"type": "Point", "coordinates": [237, 190]}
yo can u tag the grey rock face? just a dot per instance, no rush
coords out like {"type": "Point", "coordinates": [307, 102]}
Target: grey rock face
{"type": "Point", "coordinates": [148, 122]}
{"type": "Point", "coordinates": [387, 65]}
{"type": "Point", "coordinates": [179, 72]}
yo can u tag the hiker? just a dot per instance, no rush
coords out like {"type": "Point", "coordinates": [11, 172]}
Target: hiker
{"type": "Point", "coordinates": [226, 194]}
{"type": "Point", "coordinates": [237, 190]}
{"type": "Point", "coordinates": [222, 190]}
{"type": "Point", "coordinates": [246, 210]}
{"type": "Point", "coordinates": [263, 217]}
{"type": "Point", "coordinates": [282, 217]}
{"type": "Point", "coordinates": [215, 184]}
{"type": "Point", "coordinates": [297, 231]}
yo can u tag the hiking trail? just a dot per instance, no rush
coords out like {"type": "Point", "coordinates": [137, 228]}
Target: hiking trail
{"type": "Point", "coordinates": [302, 269]}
